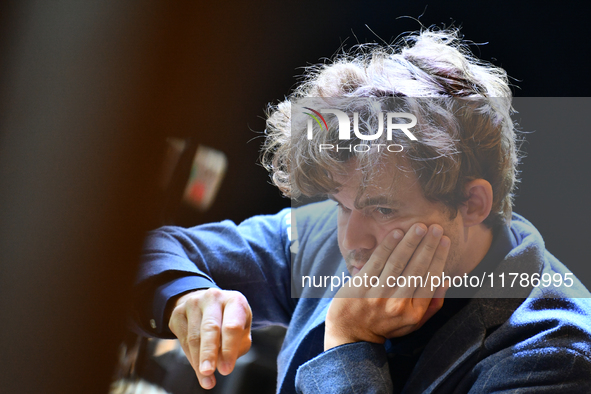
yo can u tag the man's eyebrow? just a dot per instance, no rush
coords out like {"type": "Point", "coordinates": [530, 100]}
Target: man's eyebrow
{"type": "Point", "coordinates": [377, 200]}
{"type": "Point", "coordinates": [371, 201]}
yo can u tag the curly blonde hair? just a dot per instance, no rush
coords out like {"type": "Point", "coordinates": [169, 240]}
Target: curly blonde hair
{"type": "Point", "coordinates": [464, 128]}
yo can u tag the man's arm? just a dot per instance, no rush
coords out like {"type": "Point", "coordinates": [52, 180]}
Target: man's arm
{"type": "Point", "coordinates": [545, 347]}
{"type": "Point", "coordinates": [549, 369]}
{"type": "Point", "coordinates": [360, 367]}
{"type": "Point", "coordinates": [360, 319]}
{"type": "Point", "coordinates": [250, 260]}
{"type": "Point", "coordinates": [381, 310]}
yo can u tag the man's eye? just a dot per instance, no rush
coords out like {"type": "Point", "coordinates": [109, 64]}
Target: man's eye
{"type": "Point", "coordinates": [385, 212]}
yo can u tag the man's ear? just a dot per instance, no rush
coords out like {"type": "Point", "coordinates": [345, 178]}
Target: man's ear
{"type": "Point", "coordinates": [479, 203]}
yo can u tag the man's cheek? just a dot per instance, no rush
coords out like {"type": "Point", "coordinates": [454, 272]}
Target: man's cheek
{"type": "Point", "coordinates": [388, 228]}
{"type": "Point", "coordinates": [343, 251]}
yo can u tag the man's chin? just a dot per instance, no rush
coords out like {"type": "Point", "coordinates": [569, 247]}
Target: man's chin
{"type": "Point", "coordinates": [354, 271]}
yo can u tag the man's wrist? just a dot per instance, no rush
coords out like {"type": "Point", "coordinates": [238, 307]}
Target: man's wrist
{"type": "Point", "coordinates": [334, 338]}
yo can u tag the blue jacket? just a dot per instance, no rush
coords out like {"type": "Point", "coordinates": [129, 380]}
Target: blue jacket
{"type": "Point", "coordinates": [537, 341]}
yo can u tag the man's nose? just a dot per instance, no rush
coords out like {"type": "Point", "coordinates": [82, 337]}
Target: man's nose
{"type": "Point", "coordinates": [358, 232]}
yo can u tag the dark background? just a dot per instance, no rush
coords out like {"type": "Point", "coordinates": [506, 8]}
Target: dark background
{"type": "Point", "coordinates": [256, 61]}
{"type": "Point", "coordinates": [90, 90]}
{"type": "Point", "coordinates": [543, 47]}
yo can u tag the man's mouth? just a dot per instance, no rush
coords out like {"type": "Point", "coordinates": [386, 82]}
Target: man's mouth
{"type": "Point", "coordinates": [356, 267]}
{"type": "Point", "coordinates": [356, 260]}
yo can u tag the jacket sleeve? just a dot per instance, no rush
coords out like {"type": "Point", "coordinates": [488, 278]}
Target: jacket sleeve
{"type": "Point", "coordinates": [531, 371]}
{"type": "Point", "coordinates": [253, 258]}
{"type": "Point", "coordinates": [545, 347]}
{"type": "Point", "coordinates": [360, 367]}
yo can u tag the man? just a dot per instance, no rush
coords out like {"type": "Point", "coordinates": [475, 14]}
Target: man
{"type": "Point", "coordinates": [414, 206]}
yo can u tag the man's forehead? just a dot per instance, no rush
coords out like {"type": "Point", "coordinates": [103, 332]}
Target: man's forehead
{"type": "Point", "coordinates": [381, 184]}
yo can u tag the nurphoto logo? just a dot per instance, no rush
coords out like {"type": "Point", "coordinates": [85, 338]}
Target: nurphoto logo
{"type": "Point", "coordinates": [344, 122]}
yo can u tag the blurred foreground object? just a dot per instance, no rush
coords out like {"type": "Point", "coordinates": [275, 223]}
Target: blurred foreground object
{"type": "Point", "coordinates": [89, 91]}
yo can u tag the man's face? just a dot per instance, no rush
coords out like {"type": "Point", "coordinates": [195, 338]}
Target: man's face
{"type": "Point", "coordinates": [392, 199]}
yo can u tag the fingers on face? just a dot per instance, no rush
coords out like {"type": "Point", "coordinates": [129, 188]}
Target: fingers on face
{"type": "Point", "coordinates": [400, 259]}
{"type": "Point", "coordinates": [440, 257]}
{"type": "Point", "coordinates": [435, 269]}
{"type": "Point", "coordinates": [380, 257]}
{"type": "Point", "coordinates": [427, 258]}
{"type": "Point", "coordinates": [420, 253]}
{"type": "Point", "coordinates": [421, 259]}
